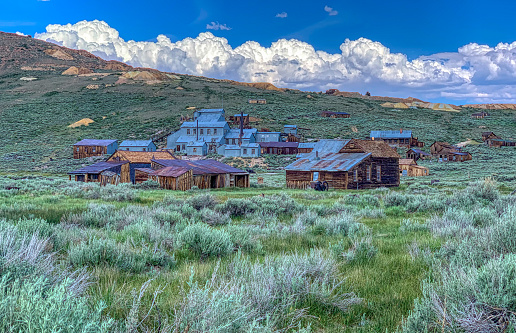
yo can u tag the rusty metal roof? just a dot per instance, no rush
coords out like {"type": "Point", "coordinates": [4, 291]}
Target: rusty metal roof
{"type": "Point", "coordinates": [330, 146]}
{"type": "Point", "coordinates": [201, 167]}
{"type": "Point", "coordinates": [328, 162]}
{"type": "Point", "coordinates": [171, 171]}
{"type": "Point", "coordinates": [97, 168]}
{"type": "Point", "coordinates": [94, 142]}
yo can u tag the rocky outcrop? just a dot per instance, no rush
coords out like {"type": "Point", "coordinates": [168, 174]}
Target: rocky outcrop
{"type": "Point", "coordinates": [77, 71]}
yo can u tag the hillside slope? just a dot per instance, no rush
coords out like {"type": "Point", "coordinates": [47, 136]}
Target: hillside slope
{"type": "Point", "coordinates": [38, 104]}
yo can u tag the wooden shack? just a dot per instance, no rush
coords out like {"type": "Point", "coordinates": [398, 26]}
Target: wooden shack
{"type": "Point", "coordinates": [346, 164]}
{"type": "Point", "coordinates": [333, 114]}
{"type": "Point", "coordinates": [208, 173]}
{"type": "Point", "coordinates": [279, 148]}
{"type": "Point", "coordinates": [489, 135]}
{"type": "Point", "coordinates": [409, 168]}
{"type": "Point", "coordinates": [500, 143]}
{"type": "Point", "coordinates": [92, 147]}
{"type": "Point", "coordinates": [257, 101]}
{"type": "Point", "coordinates": [137, 159]}
{"type": "Point", "coordinates": [480, 115]}
{"type": "Point", "coordinates": [417, 154]}
{"type": "Point", "coordinates": [98, 172]}
{"type": "Point", "coordinates": [235, 120]}
{"type": "Point", "coordinates": [446, 152]}
{"type": "Point", "coordinates": [174, 178]}
{"type": "Point", "coordinates": [402, 138]}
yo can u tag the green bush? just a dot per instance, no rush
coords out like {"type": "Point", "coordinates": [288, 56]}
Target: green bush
{"type": "Point", "coordinates": [205, 241]}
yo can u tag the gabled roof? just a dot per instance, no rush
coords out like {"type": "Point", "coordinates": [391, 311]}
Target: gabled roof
{"type": "Point", "coordinates": [407, 161]}
{"type": "Point", "coordinates": [403, 134]}
{"type": "Point", "coordinates": [171, 171]}
{"type": "Point", "coordinates": [144, 157]}
{"type": "Point", "coordinates": [135, 143]}
{"type": "Point", "coordinates": [201, 167]}
{"type": "Point", "coordinates": [377, 148]}
{"type": "Point", "coordinates": [327, 162]}
{"type": "Point", "coordinates": [94, 142]}
{"type": "Point", "coordinates": [330, 146]}
{"type": "Point", "coordinates": [306, 145]}
{"type": "Point", "coordinates": [204, 123]}
{"type": "Point", "coordinates": [97, 168]}
{"type": "Point", "coordinates": [290, 126]}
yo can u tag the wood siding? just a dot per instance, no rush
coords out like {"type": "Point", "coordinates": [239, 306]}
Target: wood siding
{"type": "Point", "coordinates": [181, 183]}
{"type": "Point", "coordinates": [88, 151]}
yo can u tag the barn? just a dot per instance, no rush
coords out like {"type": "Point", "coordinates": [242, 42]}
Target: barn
{"type": "Point", "coordinates": [402, 138]}
{"type": "Point", "coordinates": [207, 173]}
{"type": "Point", "coordinates": [409, 168]}
{"type": "Point", "coordinates": [103, 172]}
{"type": "Point", "coordinates": [137, 159]}
{"type": "Point", "coordinates": [92, 147]}
{"type": "Point", "coordinates": [346, 164]}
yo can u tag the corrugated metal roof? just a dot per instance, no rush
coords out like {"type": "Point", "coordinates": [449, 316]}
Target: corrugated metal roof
{"type": "Point", "coordinates": [234, 133]}
{"type": "Point", "coordinates": [94, 142]}
{"type": "Point", "coordinates": [290, 126]}
{"type": "Point", "coordinates": [196, 143]}
{"type": "Point", "coordinates": [330, 146]}
{"type": "Point", "coordinates": [268, 132]}
{"type": "Point", "coordinates": [235, 147]}
{"type": "Point", "coordinates": [405, 134]}
{"type": "Point", "coordinates": [97, 168]}
{"type": "Point", "coordinates": [201, 167]}
{"type": "Point", "coordinates": [135, 143]}
{"type": "Point", "coordinates": [279, 144]}
{"type": "Point", "coordinates": [205, 138]}
{"type": "Point", "coordinates": [171, 171]}
{"type": "Point", "coordinates": [419, 151]}
{"type": "Point", "coordinates": [212, 124]}
{"type": "Point", "coordinates": [210, 110]}
{"type": "Point", "coordinates": [239, 115]}
{"type": "Point", "coordinates": [330, 162]}
{"type": "Point", "coordinates": [306, 145]}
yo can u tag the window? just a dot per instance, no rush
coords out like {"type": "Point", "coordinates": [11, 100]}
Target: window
{"type": "Point", "coordinates": [378, 173]}
{"type": "Point", "coordinates": [214, 131]}
{"type": "Point", "coordinates": [194, 131]}
{"type": "Point", "coordinates": [208, 131]}
{"type": "Point", "coordinates": [253, 151]}
{"type": "Point", "coordinates": [368, 177]}
{"type": "Point", "coordinates": [77, 149]}
{"type": "Point", "coordinates": [184, 147]}
{"type": "Point", "coordinates": [126, 148]}
{"type": "Point", "coordinates": [188, 131]}
{"type": "Point", "coordinates": [195, 150]}
{"type": "Point", "coordinates": [355, 175]}
{"type": "Point", "coordinates": [201, 131]}
{"type": "Point", "coordinates": [234, 141]}
{"type": "Point", "coordinates": [316, 176]}
{"type": "Point", "coordinates": [245, 151]}
{"type": "Point", "coordinates": [227, 141]}
{"type": "Point", "coordinates": [144, 149]}
{"type": "Point", "coordinates": [93, 149]}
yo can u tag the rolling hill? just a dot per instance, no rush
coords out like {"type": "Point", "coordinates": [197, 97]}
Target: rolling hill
{"type": "Point", "coordinates": [38, 103]}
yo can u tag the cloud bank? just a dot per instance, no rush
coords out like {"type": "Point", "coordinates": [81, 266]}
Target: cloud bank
{"type": "Point", "coordinates": [282, 15]}
{"type": "Point", "coordinates": [330, 11]}
{"type": "Point", "coordinates": [217, 26]}
{"type": "Point", "coordinates": [477, 73]}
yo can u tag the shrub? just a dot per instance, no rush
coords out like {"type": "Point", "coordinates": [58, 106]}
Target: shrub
{"type": "Point", "coordinates": [244, 237]}
{"type": "Point", "coordinates": [361, 251]}
{"type": "Point", "coordinates": [342, 224]}
{"type": "Point", "coordinates": [408, 225]}
{"type": "Point", "coordinates": [201, 201]}
{"type": "Point", "coordinates": [206, 241]}
{"type": "Point", "coordinates": [212, 217]}
{"type": "Point", "coordinates": [237, 207]}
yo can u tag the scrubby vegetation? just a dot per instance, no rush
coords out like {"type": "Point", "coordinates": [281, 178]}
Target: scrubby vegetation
{"type": "Point", "coordinates": [422, 257]}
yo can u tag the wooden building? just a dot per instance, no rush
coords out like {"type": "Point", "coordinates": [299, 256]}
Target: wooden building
{"type": "Point", "coordinates": [417, 154]}
{"type": "Point", "coordinates": [446, 152]}
{"type": "Point", "coordinates": [257, 101]}
{"type": "Point", "coordinates": [402, 138]}
{"type": "Point", "coordinates": [103, 172]}
{"type": "Point", "coordinates": [333, 114]}
{"type": "Point", "coordinates": [207, 173]}
{"type": "Point", "coordinates": [137, 145]}
{"type": "Point", "coordinates": [305, 147]}
{"type": "Point", "coordinates": [489, 135]}
{"type": "Point", "coordinates": [409, 168]}
{"type": "Point", "coordinates": [91, 147]}
{"type": "Point", "coordinates": [279, 148]}
{"type": "Point", "coordinates": [235, 120]}
{"type": "Point", "coordinates": [174, 178]}
{"type": "Point", "coordinates": [480, 115]}
{"type": "Point", "coordinates": [500, 143]}
{"type": "Point", "coordinates": [137, 159]}
{"type": "Point", "coordinates": [346, 164]}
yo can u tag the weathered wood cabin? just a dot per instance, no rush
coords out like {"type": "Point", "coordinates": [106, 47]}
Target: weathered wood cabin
{"type": "Point", "coordinates": [346, 164]}
{"type": "Point", "coordinates": [446, 152]}
{"type": "Point", "coordinates": [489, 135]}
{"type": "Point", "coordinates": [92, 147]}
{"type": "Point", "coordinates": [279, 148]}
{"type": "Point", "coordinates": [207, 173]}
{"type": "Point", "coordinates": [493, 140]}
{"type": "Point", "coordinates": [480, 115]}
{"type": "Point", "coordinates": [137, 159]}
{"type": "Point", "coordinates": [257, 101]}
{"type": "Point", "coordinates": [402, 138]}
{"type": "Point", "coordinates": [235, 120]}
{"type": "Point", "coordinates": [333, 114]}
{"type": "Point", "coordinates": [417, 154]}
{"type": "Point", "coordinates": [103, 172]}
{"type": "Point", "coordinates": [173, 178]}
{"type": "Point", "coordinates": [409, 168]}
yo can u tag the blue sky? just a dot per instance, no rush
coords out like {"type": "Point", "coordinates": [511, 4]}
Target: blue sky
{"type": "Point", "coordinates": [413, 28]}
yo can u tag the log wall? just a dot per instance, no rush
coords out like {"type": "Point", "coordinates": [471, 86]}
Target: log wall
{"type": "Point", "coordinates": [87, 151]}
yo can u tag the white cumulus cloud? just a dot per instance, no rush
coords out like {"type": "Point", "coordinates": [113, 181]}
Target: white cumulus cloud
{"type": "Point", "coordinates": [475, 72]}
{"type": "Point", "coordinates": [330, 11]}
{"type": "Point", "coordinates": [217, 26]}
{"type": "Point", "coordinates": [282, 15]}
